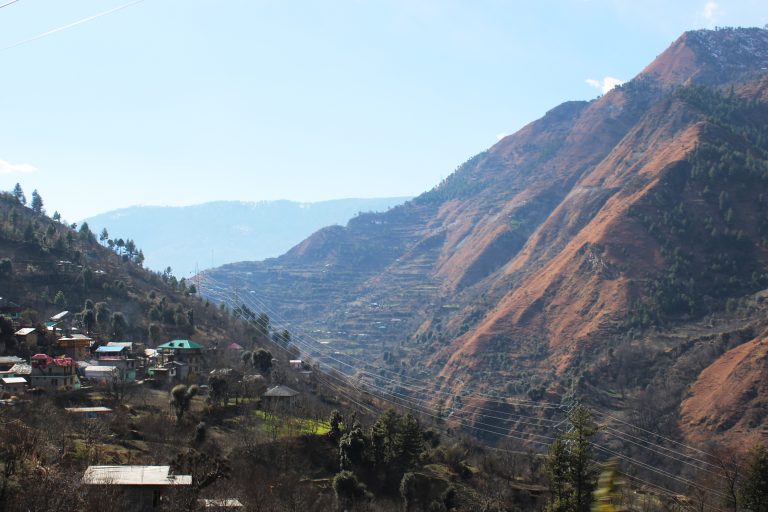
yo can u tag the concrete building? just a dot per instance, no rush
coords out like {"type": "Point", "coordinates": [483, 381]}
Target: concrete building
{"type": "Point", "coordinates": [117, 356]}
{"type": "Point", "coordinates": [183, 351]}
{"type": "Point", "coordinates": [54, 373]}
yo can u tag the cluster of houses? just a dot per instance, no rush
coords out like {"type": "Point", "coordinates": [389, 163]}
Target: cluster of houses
{"type": "Point", "coordinates": [65, 360]}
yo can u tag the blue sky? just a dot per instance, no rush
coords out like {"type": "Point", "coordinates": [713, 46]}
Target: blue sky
{"type": "Point", "coordinates": [180, 102]}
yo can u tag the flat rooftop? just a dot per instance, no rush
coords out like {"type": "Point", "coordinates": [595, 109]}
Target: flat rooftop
{"type": "Point", "coordinates": [87, 409]}
{"type": "Point", "coordinates": [155, 476]}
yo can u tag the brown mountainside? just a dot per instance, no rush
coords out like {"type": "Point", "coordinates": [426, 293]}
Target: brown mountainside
{"type": "Point", "coordinates": [629, 228]}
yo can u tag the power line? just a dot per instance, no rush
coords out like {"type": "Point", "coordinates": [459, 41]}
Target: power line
{"type": "Point", "coordinates": [508, 416]}
{"type": "Point", "coordinates": [69, 25]}
{"type": "Point", "coordinates": [8, 3]}
{"type": "Point", "coordinates": [419, 406]}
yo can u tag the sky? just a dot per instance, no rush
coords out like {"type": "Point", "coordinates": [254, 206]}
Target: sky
{"type": "Point", "coordinates": [169, 102]}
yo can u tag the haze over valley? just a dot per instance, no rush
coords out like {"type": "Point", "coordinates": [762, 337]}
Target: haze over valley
{"type": "Point", "coordinates": [551, 293]}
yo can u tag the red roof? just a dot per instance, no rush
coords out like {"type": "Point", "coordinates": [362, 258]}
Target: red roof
{"type": "Point", "coordinates": [61, 361]}
{"type": "Point", "coordinates": [234, 346]}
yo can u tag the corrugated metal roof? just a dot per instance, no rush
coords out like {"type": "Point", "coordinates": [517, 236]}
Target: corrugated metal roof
{"type": "Point", "coordinates": [88, 409]}
{"type": "Point", "coordinates": [24, 331]}
{"type": "Point", "coordinates": [20, 369]}
{"type": "Point", "coordinates": [185, 344]}
{"type": "Point", "coordinates": [100, 369]}
{"type": "Point", "coordinates": [59, 316]}
{"type": "Point", "coordinates": [281, 391]}
{"type": "Point", "coordinates": [110, 350]}
{"type": "Point", "coordinates": [13, 380]}
{"type": "Point", "coordinates": [134, 475]}
{"type": "Point", "coordinates": [77, 337]}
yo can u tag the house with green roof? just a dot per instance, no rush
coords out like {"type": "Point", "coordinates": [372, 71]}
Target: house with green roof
{"type": "Point", "coordinates": [182, 351]}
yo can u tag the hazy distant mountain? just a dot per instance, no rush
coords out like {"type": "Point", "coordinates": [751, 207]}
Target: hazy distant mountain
{"type": "Point", "coordinates": [222, 232]}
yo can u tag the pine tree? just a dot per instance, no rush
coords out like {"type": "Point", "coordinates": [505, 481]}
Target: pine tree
{"type": "Point", "coordinates": [571, 467]}
{"type": "Point", "coordinates": [37, 202]}
{"type": "Point", "coordinates": [557, 472]}
{"type": "Point", "coordinates": [582, 469]}
{"type": "Point", "coordinates": [753, 491]}
{"type": "Point", "coordinates": [60, 300]}
{"type": "Point", "coordinates": [19, 194]}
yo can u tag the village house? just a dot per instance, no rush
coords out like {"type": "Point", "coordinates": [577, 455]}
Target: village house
{"type": "Point", "coordinates": [118, 357]}
{"type": "Point", "coordinates": [141, 485]}
{"type": "Point", "coordinates": [170, 372]}
{"type": "Point", "coordinates": [50, 373]}
{"type": "Point", "coordinates": [101, 374]}
{"type": "Point", "coordinates": [18, 370]}
{"type": "Point", "coordinates": [76, 346]}
{"type": "Point", "coordinates": [182, 351]}
{"type": "Point", "coordinates": [27, 337]}
{"type": "Point", "coordinates": [13, 385]}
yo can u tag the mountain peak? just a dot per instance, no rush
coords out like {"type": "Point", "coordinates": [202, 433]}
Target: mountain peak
{"type": "Point", "coordinates": [712, 57]}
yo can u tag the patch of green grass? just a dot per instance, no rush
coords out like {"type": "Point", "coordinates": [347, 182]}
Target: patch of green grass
{"type": "Point", "coordinates": [241, 400]}
{"type": "Point", "coordinates": [290, 426]}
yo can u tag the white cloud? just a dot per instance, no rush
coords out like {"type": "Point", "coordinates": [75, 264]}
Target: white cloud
{"type": "Point", "coordinates": [594, 83]}
{"type": "Point", "coordinates": [710, 11]}
{"type": "Point", "coordinates": [9, 168]}
{"type": "Point", "coordinates": [606, 84]}
{"type": "Point", "coordinates": [501, 136]}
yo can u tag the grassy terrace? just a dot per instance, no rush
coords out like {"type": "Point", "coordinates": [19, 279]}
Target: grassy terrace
{"type": "Point", "coordinates": [282, 426]}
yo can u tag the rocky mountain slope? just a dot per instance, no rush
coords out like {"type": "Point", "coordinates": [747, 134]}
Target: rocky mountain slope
{"type": "Point", "coordinates": [227, 231]}
{"type": "Point", "coordinates": [607, 252]}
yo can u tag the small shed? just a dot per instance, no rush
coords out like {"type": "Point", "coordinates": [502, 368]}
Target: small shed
{"type": "Point", "coordinates": [13, 385]}
{"type": "Point", "coordinates": [296, 364]}
{"type": "Point", "coordinates": [89, 412]}
{"type": "Point", "coordinates": [142, 485]}
{"type": "Point", "coordinates": [281, 391]}
{"type": "Point", "coordinates": [28, 336]}
{"type": "Point", "coordinates": [279, 396]}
